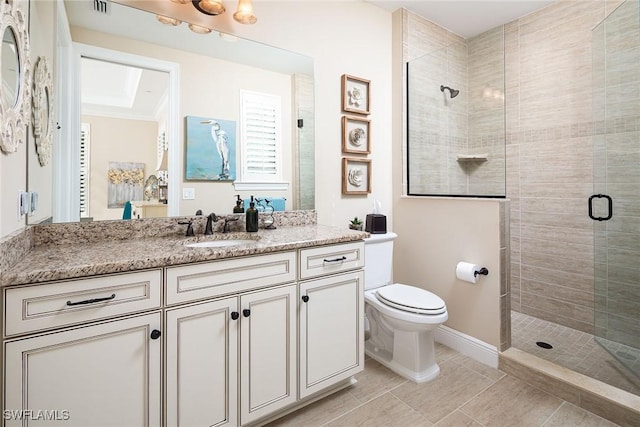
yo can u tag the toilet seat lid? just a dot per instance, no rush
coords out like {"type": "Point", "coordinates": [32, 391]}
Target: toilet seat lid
{"type": "Point", "coordinates": [410, 298]}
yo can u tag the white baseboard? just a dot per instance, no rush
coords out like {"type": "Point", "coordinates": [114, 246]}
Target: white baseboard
{"type": "Point", "coordinates": [467, 345]}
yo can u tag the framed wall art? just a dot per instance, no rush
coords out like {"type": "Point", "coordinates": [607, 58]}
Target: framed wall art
{"type": "Point", "coordinates": [356, 176]}
{"type": "Point", "coordinates": [211, 149]}
{"type": "Point", "coordinates": [355, 135]}
{"type": "Point", "coordinates": [355, 94]}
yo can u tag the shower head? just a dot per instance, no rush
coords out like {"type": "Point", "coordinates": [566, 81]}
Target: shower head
{"type": "Point", "coordinates": [452, 92]}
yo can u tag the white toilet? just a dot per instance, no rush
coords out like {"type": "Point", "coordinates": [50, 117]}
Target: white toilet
{"type": "Point", "coordinates": [402, 319]}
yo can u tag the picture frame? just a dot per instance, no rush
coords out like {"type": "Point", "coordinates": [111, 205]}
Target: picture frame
{"type": "Point", "coordinates": [356, 133]}
{"type": "Point", "coordinates": [356, 176]}
{"type": "Point", "coordinates": [210, 149]}
{"type": "Point", "coordinates": [356, 94]}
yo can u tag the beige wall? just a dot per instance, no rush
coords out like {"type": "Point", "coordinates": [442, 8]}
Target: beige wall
{"type": "Point", "coordinates": [434, 234]}
{"type": "Point", "coordinates": [117, 140]}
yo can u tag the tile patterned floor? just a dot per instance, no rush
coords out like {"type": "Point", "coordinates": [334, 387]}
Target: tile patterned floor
{"type": "Point", "coordinates": [576, 350]}
{"type": "Point", "coordinates": [466, 393]}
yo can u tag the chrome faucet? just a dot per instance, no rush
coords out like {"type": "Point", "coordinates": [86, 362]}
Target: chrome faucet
{"type": "Point", "coordinates": [208, 229]}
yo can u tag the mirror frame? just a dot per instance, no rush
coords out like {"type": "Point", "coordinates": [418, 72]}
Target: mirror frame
{"type": "Point", "coordinates": [15, 120]}
{"type": "Point", "coordinates": [42, 118]}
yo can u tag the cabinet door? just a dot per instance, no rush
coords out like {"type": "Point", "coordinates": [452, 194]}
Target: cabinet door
{"type": "Point", "coordinates": [107, 374]}
{"type": "Point", "coordinates": [202, 364]}
{"type": "Point", "coordinates": [331, 330]}
{"type": "Point", "coordinates": [267, 352]}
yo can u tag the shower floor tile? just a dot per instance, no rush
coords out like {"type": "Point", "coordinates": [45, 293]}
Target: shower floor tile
{"type": "Point", "coordinates": [576, 350]}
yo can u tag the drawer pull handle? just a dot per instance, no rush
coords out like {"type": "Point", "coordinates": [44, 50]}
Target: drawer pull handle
{"type": "Point", "coordinates": [246, 312]}
{"type": "Point", "coordinates": [92, 301]}
{"type": "Point", "coordinates": [155, 334]}
{"type": "Point", "coordinates": [342, 258]}
{"type": "Point", "coordinates": [305, 298]}
{"type": "Point", "coordinates": [235, 315]}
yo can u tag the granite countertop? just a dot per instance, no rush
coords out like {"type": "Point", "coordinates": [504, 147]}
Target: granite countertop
{"type": "Point", "coordinates": [73, 260]}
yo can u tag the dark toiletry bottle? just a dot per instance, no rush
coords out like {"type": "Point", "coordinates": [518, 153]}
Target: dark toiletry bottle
{"type": "Point", "coordinates": [238, 208]}
{"type": "Point", "coordinates": [252, 217]}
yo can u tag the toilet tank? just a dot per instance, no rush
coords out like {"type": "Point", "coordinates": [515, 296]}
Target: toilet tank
{"type": "Point", "coordinates": [378, 260]}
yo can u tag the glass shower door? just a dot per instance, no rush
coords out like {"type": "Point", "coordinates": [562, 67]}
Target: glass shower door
{"type": "Point", "coordinates": [615, 204]}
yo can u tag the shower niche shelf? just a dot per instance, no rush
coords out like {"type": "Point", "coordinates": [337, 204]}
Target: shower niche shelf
{"type": "Point", "coordinates": [468, 158]}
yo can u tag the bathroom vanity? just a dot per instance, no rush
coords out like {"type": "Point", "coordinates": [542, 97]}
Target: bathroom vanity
{"type": "Point", "coordinates": [103, 333]}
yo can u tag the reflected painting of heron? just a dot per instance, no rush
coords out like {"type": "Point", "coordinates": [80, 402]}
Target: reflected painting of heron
{"type": "Point", "coordinates": [210, 149]}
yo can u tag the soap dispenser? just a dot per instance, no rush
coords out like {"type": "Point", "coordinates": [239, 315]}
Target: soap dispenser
{"type": "Point", "coordinates": [252, 217]}
{"type": "Point", "coordinates": [238, 207]}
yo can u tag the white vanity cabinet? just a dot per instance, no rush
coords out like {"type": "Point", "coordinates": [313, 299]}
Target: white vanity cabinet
{"type": "Point", "coordinates": [236, 351]}
{"type": "Point", "coordinates": [331, 315]}
{"type": "Point", "coordinates": [214, 349]}
{"type": "Point", "coordinates": [331, 330]}
{"type": "Point", "coordinates": [107, 374]}
{"type": "Point", "coordinates": [230, 342]}
{"type": "Point", "coordinates": [61, 369]}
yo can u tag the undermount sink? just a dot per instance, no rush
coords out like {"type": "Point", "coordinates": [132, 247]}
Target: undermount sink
{"type": "Point", "coordinates": [218, 243]}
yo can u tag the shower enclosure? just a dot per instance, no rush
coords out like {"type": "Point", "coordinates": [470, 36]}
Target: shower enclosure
{"type": "Point", "coordinates": [615, 205]}
{"type": "Point", "coordinates": [456, 119]}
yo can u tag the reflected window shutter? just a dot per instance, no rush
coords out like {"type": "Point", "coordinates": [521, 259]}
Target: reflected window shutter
{"type": "Point", "coordinates": [261, 136]}
{"type": "Point", "coordinates": [85, 144]}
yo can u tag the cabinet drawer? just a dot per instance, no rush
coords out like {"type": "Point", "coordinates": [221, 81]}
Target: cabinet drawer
{"type": "Point", "coordinates": [323, 260]}
{"type": "Point", "coordinates": [217, 278]}
{"type": "Point", "coordinates": [52, 305]}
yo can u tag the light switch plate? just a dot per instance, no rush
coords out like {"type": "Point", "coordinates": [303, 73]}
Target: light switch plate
{"type": "Point", "coordinates": [188, 194]}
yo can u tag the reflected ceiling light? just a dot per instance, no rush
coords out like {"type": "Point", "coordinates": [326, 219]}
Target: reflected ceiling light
{"type": "Point", "coordinates": [198, 29]}
{"type": "Point", "coordinates": [209, 7]}
{"type": "Point", "coordinates": [168, 21]}
{"type": "Point", "coordinates": [244, 13]}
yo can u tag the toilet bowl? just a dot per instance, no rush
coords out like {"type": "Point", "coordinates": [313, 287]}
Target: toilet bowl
{"type": "Point", "coordinates": [402, 319]}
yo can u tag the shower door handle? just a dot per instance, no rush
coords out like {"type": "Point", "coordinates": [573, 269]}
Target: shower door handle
{"type": "Point", "coordinates": [610, 207]}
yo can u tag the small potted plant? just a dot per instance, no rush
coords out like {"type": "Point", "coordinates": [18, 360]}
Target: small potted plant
{"type": "Point", "coordinates": [355, 224]}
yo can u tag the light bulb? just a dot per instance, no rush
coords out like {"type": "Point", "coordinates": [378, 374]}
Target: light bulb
{"type": "Point", "coordinates": [168, 21]}
{"type": "Point", "coordinates": [198, 29]}
{"type": "Point", "coordinates": [213, 7]}
{"type": "Point", "coordinates": [244, 13]}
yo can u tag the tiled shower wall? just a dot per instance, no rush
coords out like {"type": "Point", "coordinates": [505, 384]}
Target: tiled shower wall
{"type": "Point", "coordinates": [550, 160]}
{"type": "Point", "coordinates": [440, 127]}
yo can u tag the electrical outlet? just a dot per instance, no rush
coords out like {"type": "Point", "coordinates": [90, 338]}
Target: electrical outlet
{"type": "Point", "coordinates": [23, 204]}
{"type": "Point", "coordinates": [188, 194]}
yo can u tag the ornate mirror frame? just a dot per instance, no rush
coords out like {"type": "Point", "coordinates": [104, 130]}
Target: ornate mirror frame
{"type": "Point", "coordinates": [42, 109]}
{"type": "Point", "coordinates": [15, 119]}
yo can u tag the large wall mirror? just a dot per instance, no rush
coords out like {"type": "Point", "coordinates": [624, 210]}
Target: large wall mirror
{"type": "Point", "coordinates": [125, 108]}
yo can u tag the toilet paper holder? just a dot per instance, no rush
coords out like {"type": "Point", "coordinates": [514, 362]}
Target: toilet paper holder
{"type": "Point", "coordinates": [482, 271]}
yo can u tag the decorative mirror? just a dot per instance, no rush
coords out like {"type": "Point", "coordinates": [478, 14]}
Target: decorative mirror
{"type": "Point", "coordinates": [42, 110]}
{"type": "Point", "coordinates": [15, 76]}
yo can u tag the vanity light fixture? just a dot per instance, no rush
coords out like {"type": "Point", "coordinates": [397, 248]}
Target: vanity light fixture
{"type": "Point", "coordinates": [244, 13]}
{"type": "Point", "coordinates": [199, 29]}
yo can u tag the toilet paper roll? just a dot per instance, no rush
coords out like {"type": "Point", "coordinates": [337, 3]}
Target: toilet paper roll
{"type": "Point", "coordinates": [466, 271]}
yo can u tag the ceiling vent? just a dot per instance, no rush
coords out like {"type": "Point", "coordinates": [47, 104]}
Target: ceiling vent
{"type": "Point", "coordinates": [102, 6]}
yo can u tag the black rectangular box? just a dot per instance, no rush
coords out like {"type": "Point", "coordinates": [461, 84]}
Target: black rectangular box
{"type": "Point", "coordinates": [376, 224]}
